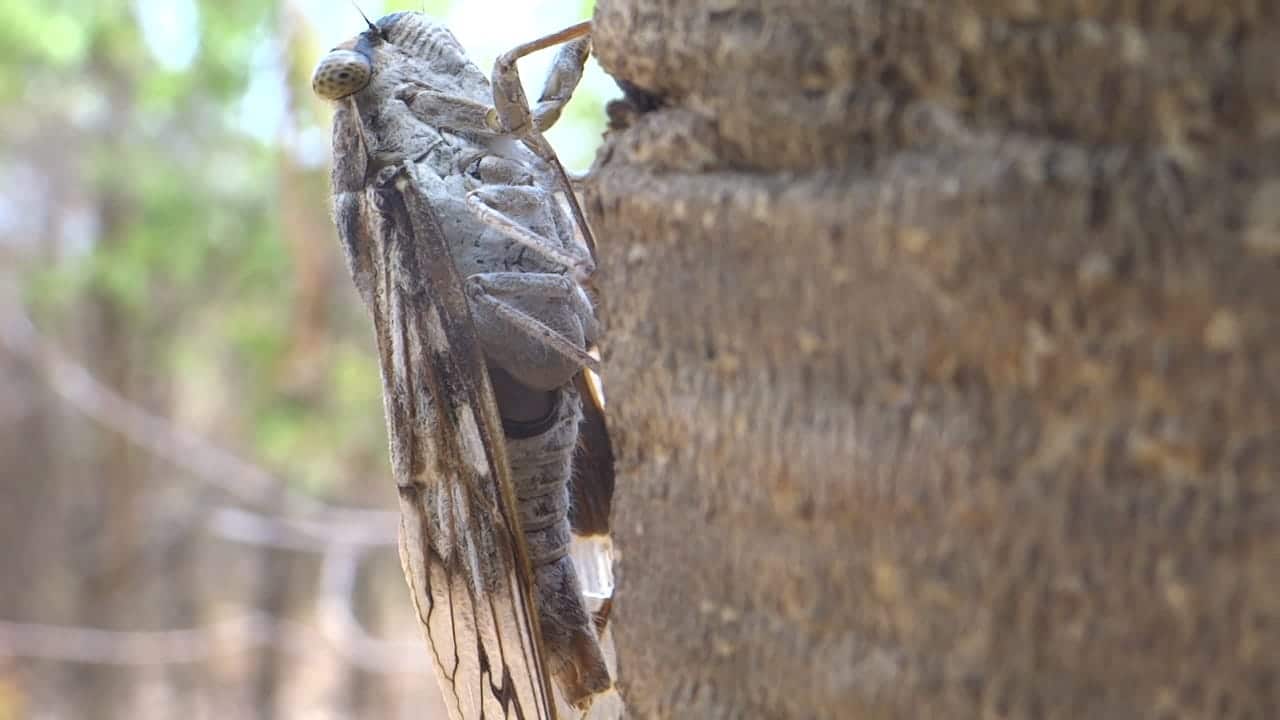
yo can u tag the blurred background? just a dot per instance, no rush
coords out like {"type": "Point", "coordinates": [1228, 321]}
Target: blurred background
{"type": "Point", "coordinates": [196, 517]}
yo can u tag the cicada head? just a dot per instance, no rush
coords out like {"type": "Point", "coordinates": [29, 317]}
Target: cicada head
{"type": "Point", "coordinates": [400, 48]}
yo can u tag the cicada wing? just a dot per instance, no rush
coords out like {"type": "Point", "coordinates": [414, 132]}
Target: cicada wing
{"type": "Point", "coordinates": [461, 546]}
{"type": "Point", "coordinates": [591, 501]}
{"type": "Point", "coordinates": [481, 643]}
{"type": "Point", "coordinates": [593, 471]}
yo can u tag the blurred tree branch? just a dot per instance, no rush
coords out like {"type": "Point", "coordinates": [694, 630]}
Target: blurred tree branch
{"type": "Point", "coordinates": [213, 465]}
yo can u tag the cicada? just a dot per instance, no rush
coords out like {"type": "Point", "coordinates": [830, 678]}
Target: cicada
{"type": "Point", "coordinates": [466, 243]}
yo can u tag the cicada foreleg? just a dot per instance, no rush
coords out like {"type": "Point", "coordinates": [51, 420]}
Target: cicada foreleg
{"type": "Point", "coordinates": [515, 116]}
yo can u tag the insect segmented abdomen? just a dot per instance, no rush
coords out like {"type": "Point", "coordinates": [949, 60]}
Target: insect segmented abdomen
{"type": "Point", "coordinates": [540, 470]}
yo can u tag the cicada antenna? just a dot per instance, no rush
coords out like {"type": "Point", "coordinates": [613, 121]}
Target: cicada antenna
{"type": "Point", "coordinates": [376, 30]}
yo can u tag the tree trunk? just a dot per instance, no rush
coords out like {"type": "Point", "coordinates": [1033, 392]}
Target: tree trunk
{"type": "Point", "coordinates": [943, 357]}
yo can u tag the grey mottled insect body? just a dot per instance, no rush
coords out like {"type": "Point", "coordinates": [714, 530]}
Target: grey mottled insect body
{"type": "Point", "coordinates": [460, 235]}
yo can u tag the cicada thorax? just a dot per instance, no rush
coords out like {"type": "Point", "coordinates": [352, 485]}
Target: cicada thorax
{"type": "Point", "coordinates": [435, 45]}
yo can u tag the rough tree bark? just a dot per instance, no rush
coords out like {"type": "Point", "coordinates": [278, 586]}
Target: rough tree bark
{"type": "Point", "coordinates": [943, 357]}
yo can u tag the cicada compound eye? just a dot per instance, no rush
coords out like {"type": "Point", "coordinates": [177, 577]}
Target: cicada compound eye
{"type": "Point", "coordinates": [341, 73]}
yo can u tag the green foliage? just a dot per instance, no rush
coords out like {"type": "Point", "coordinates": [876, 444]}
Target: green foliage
{"type": "Point", "coordinates": [43, 33]}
